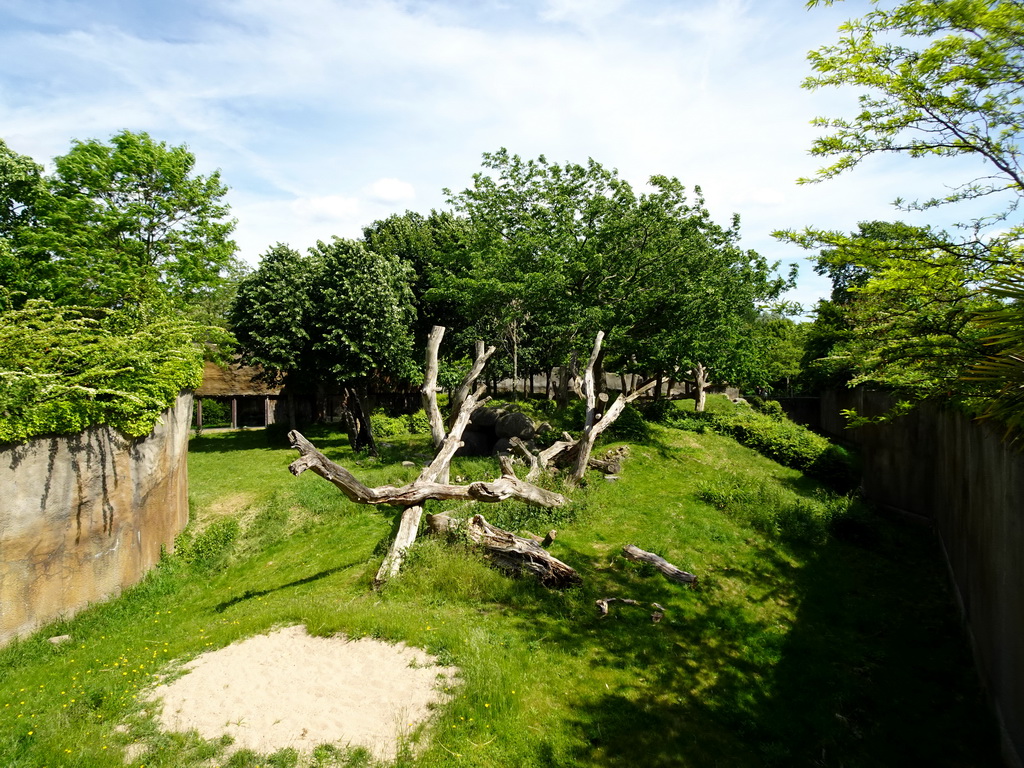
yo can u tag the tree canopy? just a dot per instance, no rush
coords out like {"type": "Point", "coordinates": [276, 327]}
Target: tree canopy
{"type": "Point", "coordinates": [559, 251]}
{"type": "Point", "coordinates": [341, 314]}
{"type": "Point", "coordinates": [940, 79]}
{"type": "Point", "coordinates": [116, 223]}
{"type": "Point", "coordinates": [102, 265]}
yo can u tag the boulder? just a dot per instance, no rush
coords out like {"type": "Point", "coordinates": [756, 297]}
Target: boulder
{"type": "Point", "coordinates": [485, 418]}
{"type": "Point", "coordinates": [513, 424]}
{"type": "Point", "coordinates": [476, 443]}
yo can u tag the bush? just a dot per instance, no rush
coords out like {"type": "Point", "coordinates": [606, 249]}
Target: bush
{"type": "Point", "coordinates": [773, 435]}
{"type": "Point", "coordinates": [630, 425]}
{"type": "Point", "coordinates": [63, 369]}
{"type": "Point", "coordinates": [768, 508]}
{"type": "Point", "coordinates": [388, 426]}
{"type": "Point", "coordinates": [418, 423]}
{"type": "Point", "coordinates": [216, 413]}
{"type": "Point", "coordinates": [211, 546]}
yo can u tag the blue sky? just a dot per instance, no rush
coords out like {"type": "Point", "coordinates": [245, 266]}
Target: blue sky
{"type": "Point", "coordinates": [324, 115]}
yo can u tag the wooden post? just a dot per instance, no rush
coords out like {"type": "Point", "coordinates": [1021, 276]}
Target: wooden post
{"type": "Point", "coordinates": [199, 413]}
{"type": "Point", "coordinates": [234, 413]}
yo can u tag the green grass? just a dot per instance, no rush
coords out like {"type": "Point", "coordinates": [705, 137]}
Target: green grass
{"type": "Point", "coordinates": [837, 647]}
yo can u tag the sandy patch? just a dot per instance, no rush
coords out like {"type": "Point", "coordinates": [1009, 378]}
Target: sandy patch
{"type": "Point", "coordinates": [289, 689]}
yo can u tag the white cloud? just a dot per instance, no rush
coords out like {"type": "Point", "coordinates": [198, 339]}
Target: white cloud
{"type": "Point", "coordinates": [325, 115]}
{"type": "Point", "coordinates": [392, 191]}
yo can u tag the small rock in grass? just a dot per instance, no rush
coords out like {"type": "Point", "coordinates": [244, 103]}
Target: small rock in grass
{"type": "Point", "coordinates": [60, 639]}
{"type": "Point", "coordinates": [408, 463]}
{"type": "Point", "coordinates": [611, 478]}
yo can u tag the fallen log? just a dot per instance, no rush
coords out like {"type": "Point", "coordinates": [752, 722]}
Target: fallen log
{"type": "Point", "coordinates": [509, 552]}
{"type": "Point", "coordinates": [604, 602]}
{"type": "Point", "coordinates": [668, 570]}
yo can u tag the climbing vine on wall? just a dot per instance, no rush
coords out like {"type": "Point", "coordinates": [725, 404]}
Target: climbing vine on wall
{"type": "Point", "coordinates": [63, 369]}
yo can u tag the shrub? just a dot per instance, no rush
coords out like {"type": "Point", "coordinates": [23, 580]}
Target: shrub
{"type": "Point", "coordinates": [387, 426]}
{"type": "Point", "coordinates": [417, 423]}
{"type": "Point", "coordinates": [631, 425]}
{"type": "Point", "coordinates": [778, 438]}
{"type": "Point", "coordinates": [768, 508]}
{"type": "Point", "coordinates": [63, 369]}
{"type": "Point", "coordinates": [211, 547]}
{"type": "Point", "coordinates": [216, 413]}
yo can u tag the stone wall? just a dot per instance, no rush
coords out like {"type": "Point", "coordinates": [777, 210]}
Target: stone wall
{"type": "Point", "coordinates": [960, 474]}
{"type": "Point", "coordinates": [84, 516]}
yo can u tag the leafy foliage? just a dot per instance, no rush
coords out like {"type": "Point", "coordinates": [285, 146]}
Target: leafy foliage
{"type": "Point", "coordinates": [64, 369]}
{"type": "Point", "coordinates": [563, 250]}
{"type": "Point", "coordinates": [776, 511]}
{"type": "Point", "coordinates": [941, 79]}
{"type": "Point", "coordinates": [341, 314]}
{"type": "Point", "coordinates": [786, 442]}
{"type": "Point", "coordinates": [1002, 368]}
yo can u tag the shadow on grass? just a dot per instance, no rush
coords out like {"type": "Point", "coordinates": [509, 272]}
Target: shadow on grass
{"type": "Point", "coordinates": [873, 671]}
{"type": "Point", "coordinates": [249, 594]}
{"type": "Point", "coordinates": [324, 435]}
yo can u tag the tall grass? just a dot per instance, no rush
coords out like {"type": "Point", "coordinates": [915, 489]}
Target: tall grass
{"type": "Point", "coordinates": [805, 642]}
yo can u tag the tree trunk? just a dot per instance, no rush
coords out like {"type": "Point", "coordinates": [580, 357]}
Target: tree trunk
{"type": "Point", "coordinates": [668, 570]}
{"type": "Point", "coordinates": [595, 424]}
{"type": "Point", "coordinates": [700, 395]}
{"type": "Point", "coordinates": [428, 391]}
{"type": "Point", "coordinates": [480, 360]}
{"type": "Point", "coordinates": [510, 552]}
{"type": "Point", "coordinates": [562, 396]}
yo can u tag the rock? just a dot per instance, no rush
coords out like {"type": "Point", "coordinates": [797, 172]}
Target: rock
{"type": "Point", "coordinates": [408, 463]}
{"type": "Point", "coordinates": [60, 639]}
{"type": "Point", "coordinates": [513, 424]}
{"type": "Point", "coordinates": [485, 417]}
{"type": "Point", "coordinates": [504, 445]}
{"type": "Point", "coordinates": [611, 478]}
{"type": "Point", "coordinates": [476, 443]}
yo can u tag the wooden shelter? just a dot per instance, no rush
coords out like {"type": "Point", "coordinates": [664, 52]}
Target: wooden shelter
{"type": "Point", "coordinates": [253, 402]}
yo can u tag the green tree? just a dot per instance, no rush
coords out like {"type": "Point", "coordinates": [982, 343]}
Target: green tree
{"type": "Point", "coordinates": [128, 221]}
{"type": "Point", "coordinates": [272, 315]}
{"type": "Point", "coordinates": [941, 80]}
{"type": "Point", "coordinates": [563, 250]}
{"type": "Point", "coordinates": [691, 306]}
{"type": "Point", "coordinates": [544, 263]}
{"type": "Point", "coordinates": [341, 317]}
{"type": "Point", "coordinates": [21, 185]}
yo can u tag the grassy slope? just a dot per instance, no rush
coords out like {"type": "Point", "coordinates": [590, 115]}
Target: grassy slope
{"type": "Point", "coordinates": [847, 653]}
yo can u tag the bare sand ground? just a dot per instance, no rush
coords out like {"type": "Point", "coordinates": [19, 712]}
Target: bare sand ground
{"type": "Point", "coordinates": [289, 689]}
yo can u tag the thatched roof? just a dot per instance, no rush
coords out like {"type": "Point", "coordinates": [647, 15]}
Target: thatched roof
{"type": "Point", "coordinates": [219, 381]}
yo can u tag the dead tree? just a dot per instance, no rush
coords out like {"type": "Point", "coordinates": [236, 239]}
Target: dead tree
{"type": "Point", "coordinates": [432, 483]}
{"type": "Point", "coordinates": [597, 422]}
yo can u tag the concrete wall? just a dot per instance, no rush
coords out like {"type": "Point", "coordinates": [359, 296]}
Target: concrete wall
{"type": "Point", "coordinates": [958, 473]}
{"type": "Point", "coordinates": [84, 516]}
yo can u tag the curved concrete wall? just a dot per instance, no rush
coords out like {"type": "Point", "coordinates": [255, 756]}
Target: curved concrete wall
{"type": "Point", "coordinates": [84, 516]}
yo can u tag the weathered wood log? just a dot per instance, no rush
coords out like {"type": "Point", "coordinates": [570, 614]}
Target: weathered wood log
{"type": "Point", "coordinates": [670, 572]}
{"type": "Point", "coordinates": [604, 602]}
{"type": "Point", "coordinates": [421, 490]}
{"type": "Point", "coordinates": [407, 529]}
{"type": "Point", "coordinates": [509, 552]}
{"type": "Point", "coordinates": [544, 541]}
{"type": "Point", "coordinates": [428, 391]}
{"type": "Point", "coordinates": [480, 360]}
{"type": "Point", "coordinates": [611, 462]}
